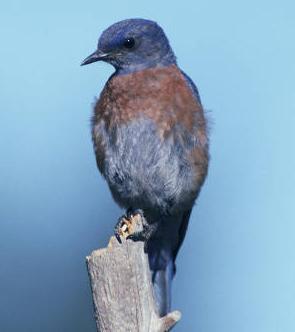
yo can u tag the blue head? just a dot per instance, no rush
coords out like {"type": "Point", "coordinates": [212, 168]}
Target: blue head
{"type": "Point", "coordinates": [132, 45]}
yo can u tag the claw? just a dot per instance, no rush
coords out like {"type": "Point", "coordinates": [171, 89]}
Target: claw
{"type": "Point", "coordinates": [136, 237]}
{"type": "Point", "coordinates": [119, 231]}
{"type": "Point", "coordinates": [145, 233]}
{"type": "Point", "coordinates": [133, 226]}
{"type": "Point", "coordinates": [118, 237]}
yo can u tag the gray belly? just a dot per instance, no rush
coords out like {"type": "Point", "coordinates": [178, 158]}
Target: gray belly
{"type": "Point", "coordinates": [147, 172]}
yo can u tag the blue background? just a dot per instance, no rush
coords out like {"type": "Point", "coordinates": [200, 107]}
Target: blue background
{"type": "Point", "coordinates": [236, 270]}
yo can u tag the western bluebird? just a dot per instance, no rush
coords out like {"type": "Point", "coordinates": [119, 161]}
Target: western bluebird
{"type": "Point", "coordinates": [150, 140]}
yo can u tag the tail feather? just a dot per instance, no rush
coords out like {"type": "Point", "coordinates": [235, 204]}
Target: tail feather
{"type": "Point", "coordinates": [162, 282]}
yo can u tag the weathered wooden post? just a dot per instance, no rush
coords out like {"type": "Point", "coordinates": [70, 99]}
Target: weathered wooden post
{"type": "Point", "coordinates": [122, 290]}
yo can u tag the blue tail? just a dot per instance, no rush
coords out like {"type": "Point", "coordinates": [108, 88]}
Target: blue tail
{"type": "Point", "coordinates": [162, 282]}
{"type": "Point", "coordinates": [162, 252]}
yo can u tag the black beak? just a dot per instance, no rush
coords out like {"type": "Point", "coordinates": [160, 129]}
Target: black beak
{"type": "Point", "coordinates": [96, 56]}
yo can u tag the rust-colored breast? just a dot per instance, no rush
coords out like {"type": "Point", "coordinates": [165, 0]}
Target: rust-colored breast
{"type": "Point", "coordinates": [160, 94]}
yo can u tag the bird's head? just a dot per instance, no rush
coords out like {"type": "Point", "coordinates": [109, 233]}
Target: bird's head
{"type": "Point", "coordinates": [132, 45]}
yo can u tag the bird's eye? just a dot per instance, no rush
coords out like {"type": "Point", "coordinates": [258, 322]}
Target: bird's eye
{"type": "Point", "coordinates": [129, 43]}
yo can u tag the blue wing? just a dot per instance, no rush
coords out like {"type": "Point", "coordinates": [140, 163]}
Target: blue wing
{"type": "Point", "coordinates": [192, 86]}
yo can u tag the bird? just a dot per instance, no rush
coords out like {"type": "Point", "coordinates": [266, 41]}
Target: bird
{"type": "Point", "coordinates": [150, 138]}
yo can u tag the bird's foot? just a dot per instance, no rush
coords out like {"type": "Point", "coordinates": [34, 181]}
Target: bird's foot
{"type": "Point", "coordinates": [129, 223]}
{"type": "Point", "coordinates": [143, 234]}
{"type": "Point", "coordinates": [133, 226]}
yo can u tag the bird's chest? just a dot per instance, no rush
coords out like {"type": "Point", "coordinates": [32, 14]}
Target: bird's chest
{"type": "Point", "coordinates": [143, 169]}
{"type": "Point", "coordinates": [143, 131]}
